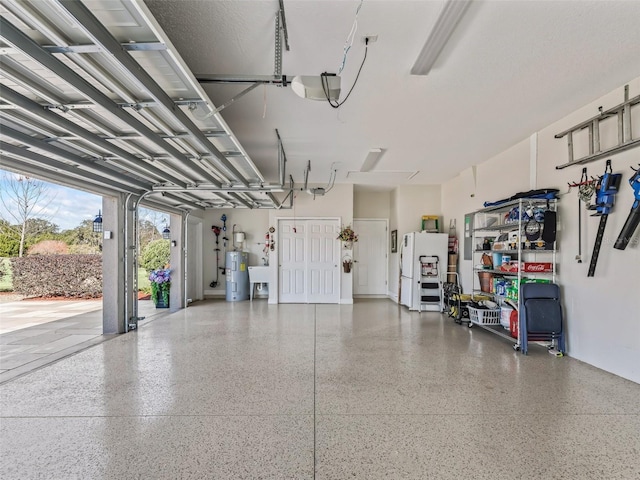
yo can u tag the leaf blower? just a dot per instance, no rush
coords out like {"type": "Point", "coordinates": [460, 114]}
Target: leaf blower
{"type": "Point", "coordinates": [634, 216]}
{"type": "Point", "coordinates": [608, 186]}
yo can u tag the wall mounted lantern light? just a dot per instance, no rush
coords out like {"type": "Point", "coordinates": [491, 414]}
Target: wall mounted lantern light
{"type": "Point", "coordinates": [166, 233]}
{"type": "Point", "coordinates": [97, 223]}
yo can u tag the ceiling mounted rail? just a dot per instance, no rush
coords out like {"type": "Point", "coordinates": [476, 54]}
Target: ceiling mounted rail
{"type": "Point", "coordinates": [80, 161]}
{"type": "Point", "coordinates": [91, 138]}
{"type": "Point", "coordinates": [241, 200]}
{"type": "Point", "coordinates": [277, 78]}
{"type": "Point", "coordinates": [42, 161]}
{"type": "Point", "coordinates": [283, 21]}
{"type": "Point", "coordinates": [282, 160]}
{"type": "Point", "coordinates": [92, 27]}
{"type": "Point", "coordinates": [15, 37]}
{"type": "Point", "coordinates": [130, 47]}
{"type": "Point", "coordinates": [94, 119]}
{"type": "Point", "coordinates": [183, 201]}
{"type": "Point", "coordinates": [76, 106]}
{"type": "Point", "coordinates": [212, 188]}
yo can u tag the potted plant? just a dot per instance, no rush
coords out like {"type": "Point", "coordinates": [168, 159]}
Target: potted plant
{"type": "Point", "coordinates": [348, 236]}
{"type": "Point", "coordinates": [160, 285]}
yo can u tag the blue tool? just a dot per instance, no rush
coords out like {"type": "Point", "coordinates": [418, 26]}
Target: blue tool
{"type": "Point", "coordinates": [608, 186]}
{"type": "Point", "coordinates": [634, 216]}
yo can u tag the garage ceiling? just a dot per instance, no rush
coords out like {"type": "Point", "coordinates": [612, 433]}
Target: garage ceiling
{"type": "Point", "coordinates": [509, 69]}
{"type": "Point", "coordinates": [94, 96]}
{"type": "Point", "coordinates": [102, 95]}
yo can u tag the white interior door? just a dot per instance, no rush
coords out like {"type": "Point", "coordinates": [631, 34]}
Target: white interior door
{"type": "Point", "coordinates": [308, 261]}
{"type": "Point", "coordinates": [323, 262]}
{"type": "Point", "coordinates": [292, 261]}
{"type": "Point", "coordinates": [370, 256]}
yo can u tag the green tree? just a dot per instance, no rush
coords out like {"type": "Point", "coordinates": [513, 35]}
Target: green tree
{"type": "Point", "coordinates": [147, 232]}
{"type": "Point", "coordinates": [150, 226]}
{"type": "Point", "coordinates": [9, 240]}
{"type": "Point", "coordinates": [155, 255]}
{"type": "Point", "coordinates": [24, 199]}
{"type": "Point", "coordinates": [39, 229]}
{"type": "Point", "coordinates": [82, 239]}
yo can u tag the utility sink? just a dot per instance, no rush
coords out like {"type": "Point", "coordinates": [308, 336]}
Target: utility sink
{"type": "Point", "coordinates": [257, 275]}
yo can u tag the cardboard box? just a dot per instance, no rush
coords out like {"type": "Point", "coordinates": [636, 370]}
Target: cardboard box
{"type": "Point", "coordinates": [452, 268]}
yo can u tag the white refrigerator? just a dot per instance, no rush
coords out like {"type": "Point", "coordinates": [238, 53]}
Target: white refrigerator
{"type": "Point", "coordinates": [414, 245]}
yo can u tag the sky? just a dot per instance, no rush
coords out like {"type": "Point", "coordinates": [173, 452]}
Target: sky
{"type": "Point", "coordinates": [67, 207]}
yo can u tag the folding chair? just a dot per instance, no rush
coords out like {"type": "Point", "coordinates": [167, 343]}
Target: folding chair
{"type": "Point", "coordinates": [541, 314]}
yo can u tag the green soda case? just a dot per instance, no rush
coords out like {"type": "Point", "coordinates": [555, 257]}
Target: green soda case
{"type": "Point", "coordinates": [534, 280]}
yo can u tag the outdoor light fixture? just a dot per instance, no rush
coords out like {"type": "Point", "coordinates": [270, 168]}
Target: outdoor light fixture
{"type": "Point", "coordinates": [166, 233]}
{"type": "Point", "coordinates": [97, 222]}
{"type": "Point", "coordinates": [448, 19]}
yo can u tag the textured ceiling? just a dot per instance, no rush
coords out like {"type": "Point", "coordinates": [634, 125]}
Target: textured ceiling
{"type": "Point", "coordinates": [509, 69]}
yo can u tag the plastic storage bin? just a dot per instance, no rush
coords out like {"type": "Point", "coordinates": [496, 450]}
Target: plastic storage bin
{"type": "Point", "coordinates": [484, 317]}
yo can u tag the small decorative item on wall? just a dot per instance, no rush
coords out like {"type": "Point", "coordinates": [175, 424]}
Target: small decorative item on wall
{"type": "Point", "coordinates": [394, 241]}
{"type": "Point", "coordinates": [348, 236]}
{"type": "Point", "coordinates": [347, 263]}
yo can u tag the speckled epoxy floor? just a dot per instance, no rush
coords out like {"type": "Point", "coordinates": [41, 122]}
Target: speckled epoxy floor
{"type": "Point", "coordinates": [249, 390]}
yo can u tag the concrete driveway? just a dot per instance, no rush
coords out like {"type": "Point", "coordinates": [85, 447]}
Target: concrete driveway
{"type": "Point", "coordinates": [34, 333]}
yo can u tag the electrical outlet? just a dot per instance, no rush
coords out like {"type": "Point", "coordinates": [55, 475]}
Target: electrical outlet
{"type": "Point", "coordinates": [371, 38]}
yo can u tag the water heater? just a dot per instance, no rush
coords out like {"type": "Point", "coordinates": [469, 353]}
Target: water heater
{"type": "Point", "coordinates": [237, 274]}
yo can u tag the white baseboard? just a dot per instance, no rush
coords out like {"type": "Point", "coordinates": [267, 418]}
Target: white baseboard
{"type": "Point", "coordinates": [215, 293]}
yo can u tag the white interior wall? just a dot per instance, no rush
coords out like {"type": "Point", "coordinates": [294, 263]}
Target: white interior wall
{"type": "Point", "coordinates": [367, 205]}
{"type": "Point", "coordinates": [194, 264]}
{"type": "Point", "coordinates": [408, 204]}
{"type": "Point", "coordinates": [602, 318]}
{"type": "Point", "coordinates": [394, 257]}
{"type": "Point", "coordinates": [254, 223]}
{"type": "Point", "coordinates": [459, 198]}
{"type": "Point", "coordinates": [371, 204]}
{"type": "Point", "coordinates": [601, 313]}
{"type": "Point", "coordinates": [337, 203]}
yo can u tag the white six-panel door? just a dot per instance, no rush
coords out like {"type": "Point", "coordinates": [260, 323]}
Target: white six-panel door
{"type": "Point", "coordinates": [370, 255]}
{"type": "Point", "coordinates": [308, 261]}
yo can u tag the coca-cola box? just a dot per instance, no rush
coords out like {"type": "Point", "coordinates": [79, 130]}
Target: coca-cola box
{"type": "Point", "coordinates": [538, 267]}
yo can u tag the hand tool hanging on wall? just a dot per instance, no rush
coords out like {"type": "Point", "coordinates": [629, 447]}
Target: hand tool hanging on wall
{"type": "Point", "coordinates": [223, 218]}
{"type": "Point", "coordinates": [634, 215]}
{"type": "Point", "coordinates": [607, 188]}
{"type": "Point", "coordinates": [586, 188]}
{"type": "Point", "coordinates": [216, 231]}
{"type": "Point", "coordinates": [269, 242]}
{"type": "Point", "coordinates": [224, 229]}
{"type": "Point", "coordinates": [265, 250]}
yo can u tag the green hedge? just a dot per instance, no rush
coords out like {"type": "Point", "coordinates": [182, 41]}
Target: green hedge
{"type": "Point", "coordinates": [155, 255]}
{"type": "Point", "coordinates": [71, 276]}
